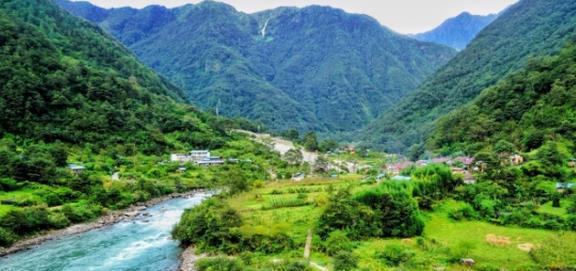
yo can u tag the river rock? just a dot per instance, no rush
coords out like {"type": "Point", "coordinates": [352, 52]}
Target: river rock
{"type": "Point", "coordinates": [467, 261]}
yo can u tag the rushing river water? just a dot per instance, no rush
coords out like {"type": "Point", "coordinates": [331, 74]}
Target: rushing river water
{"type": "Point", "coordinates": [140, 244]}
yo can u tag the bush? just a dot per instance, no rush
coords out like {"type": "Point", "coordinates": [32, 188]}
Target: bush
{"type": "Point", "coordinates": [266, 243]}
{"type": "Point", "coordinates": [556, 253]}
{"type": "Point", "coordinates": [464, 213]}
{"type": "Point", "coordinates": [337, 241]}
{"type": "Point", "coordinates": [58, 220]}
{"type": "Point", "coordinates": [396, 212]}
{"type": "Point", "coordinates": [461, 250]}
{"type": "Point", "coordinates": [7, 237]}
{"type": "Point", "coordinates": [219, 264]}
{"type": "Point", "coordinates": [291, 266]}
{"type": "Point", "coordinates": [81, 211]}
{"type": "Point", "coordinates": [8, 184]}
{"type": "Point", "coordinates": [394, 255]}
{"type": "Point", "coordinates": [344, 213]}
{"type": "Point", "coordinates": [210, 226]}
{"type": "Point", "coordinates": [26, 220]}
{"type": "Point", "coordinates": [345, 261]}
{"type": "Point", "coordinates": [572, 205]}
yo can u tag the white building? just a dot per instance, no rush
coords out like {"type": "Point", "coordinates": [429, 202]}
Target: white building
{"type": "Point", "coordinates": [193, 156]}
{"type": "Point", "coordinates": [201, 157]}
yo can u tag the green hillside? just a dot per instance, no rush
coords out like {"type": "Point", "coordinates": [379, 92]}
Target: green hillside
{"type": "Point", "coordinates": [527, 109]}
{"type": "Point", "coordinates": [312, 68]}
{"type": "Point", "coordinates": [69, 94]}
{"type": "Point", "coordinates": [529, 28]}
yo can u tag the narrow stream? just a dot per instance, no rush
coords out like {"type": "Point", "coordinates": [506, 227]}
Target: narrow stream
{"type": "Point", "coordinates": [140, 244]}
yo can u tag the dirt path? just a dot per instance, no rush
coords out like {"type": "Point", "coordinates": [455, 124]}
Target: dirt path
{"type": "Point", "coordinates": [281, 145]}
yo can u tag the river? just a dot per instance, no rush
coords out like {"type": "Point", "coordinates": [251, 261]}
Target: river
{"type": "Point", "coordinates": [143, 243]}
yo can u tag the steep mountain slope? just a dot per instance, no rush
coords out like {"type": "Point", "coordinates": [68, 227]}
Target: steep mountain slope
{"type": "Point", "coordinates": [529, 28]}
{"type": "Point", "coordinates": [69, 93]}
{"type": "Point", "coordinates": [459, 31]}
{"type": "Point", "coordinates": [312, 68]}
{"type": "Point", "coordinates": [63, 79]}
{"type": "Point", "coordinates": [526, 109]}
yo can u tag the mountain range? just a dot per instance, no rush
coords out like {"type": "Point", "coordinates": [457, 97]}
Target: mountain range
{"type": "Point", "coordinates": [459, 31]}
{"type": "Point", "coordinates": [314, 68]}
{"type": "Point", "coordinates": [528, 29]}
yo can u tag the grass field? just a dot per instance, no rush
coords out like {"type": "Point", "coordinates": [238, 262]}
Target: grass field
{"type": "Point", "coordinates": [269, 210]}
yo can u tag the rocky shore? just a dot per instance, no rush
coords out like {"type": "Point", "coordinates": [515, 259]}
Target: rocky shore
{"type": "Point", "coordinates": [109, 218]}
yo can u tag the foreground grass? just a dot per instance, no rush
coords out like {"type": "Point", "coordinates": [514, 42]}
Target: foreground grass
{"type": "Point", "coordinates": [441, 247]}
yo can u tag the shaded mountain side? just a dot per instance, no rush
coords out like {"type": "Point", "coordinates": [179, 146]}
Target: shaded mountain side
{"type": "Point", "coordinates": [527, 109]}
{"type": "Point", "coordinates": [527, 29]}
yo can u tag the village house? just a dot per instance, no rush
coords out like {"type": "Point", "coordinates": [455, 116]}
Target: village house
{"type": "Point", "coordinates": [467, 177]}
{"type": "Point", "coordinates": [516, 160]}
{"type": "Point", "coordinates": [76, 169]}
{"type": "Point", "coordinates": [298, 177]}
{"type": "Point", "coordinates": [395, 169]}
{"type": "Point", "coordinates": [200, 157]}
{"type": "Point", "coordinates": [565, 186]}
{"type": "Point", "coordinates": [572, 163]}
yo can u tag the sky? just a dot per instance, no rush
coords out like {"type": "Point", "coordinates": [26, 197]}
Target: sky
{"type": "Point", "coordinates": [403, 16]}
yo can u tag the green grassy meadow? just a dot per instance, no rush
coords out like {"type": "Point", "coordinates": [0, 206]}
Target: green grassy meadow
{"type": "Point", "coordinates": [268, 210]}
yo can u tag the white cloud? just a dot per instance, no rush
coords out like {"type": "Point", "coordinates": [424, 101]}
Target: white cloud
{"type": "Point", "coordinates": [404, 16]}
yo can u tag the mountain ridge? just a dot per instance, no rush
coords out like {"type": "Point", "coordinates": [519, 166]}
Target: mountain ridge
{"type": "Point", "coordinates": [308, 72]}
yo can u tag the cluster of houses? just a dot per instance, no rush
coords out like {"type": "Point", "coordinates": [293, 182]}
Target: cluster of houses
{"type": "Point", "coordinates": [462, 165]}
{"type": "Point", "coordinates": [200, 157]}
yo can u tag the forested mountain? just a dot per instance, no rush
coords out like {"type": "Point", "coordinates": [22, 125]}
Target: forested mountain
{"type": "Point", "coordinates": [312, 68]}
{"type": "Point", "coordinates": [63, 79]}
{"type": "Point", "coordinates": [69, 93]}
{"type": "Point", "coordinates": [527, 29]}
{"type": "Point", "coordinates": [459, 31]}
{"type": "Point", "coordinates": [527, 109]}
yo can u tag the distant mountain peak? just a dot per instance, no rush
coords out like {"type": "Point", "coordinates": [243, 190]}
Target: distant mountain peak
{"type": "Point", "coordinates": [459, 31]}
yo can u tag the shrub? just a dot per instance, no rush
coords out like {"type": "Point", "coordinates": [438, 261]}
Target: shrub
{"type": "Point", "coordinates": [556, 253]}
{"type": "Point", "coordinates": [7, 237]}
{"type": "Point", "coordinates": [81, 211]}
{"type": "Point", "coordinates": [396, 211]}
{"type": "Point", "coordinates": [209, 226]}
{"type": "Point", "coordinates": [572, 205]}
{"type": "Point", "coordinates": [26, 220]}
{"type": "Point", "coordinates": [464, 213]}
{"type": "Point", "coordinates": [344, 213]}
{"type": "Point", "coordinates": [219, 264]}
{"type": "Point", "coordinates": [58, 220]}
{"type": "Point", "coordinates": [8, 184]}
{"type": "Point", "coordinates": [266, 243]}
{"type": "Point", "coordinates": [337, 241]}
{"type": "Point", "coordinates": [394, 255]}
{"type": "Point", "coordinates": [291, 266]}
{"type": "Point", "coordinates": [461, 250]}
{"type": "Point", "coordinates": [345, 261]}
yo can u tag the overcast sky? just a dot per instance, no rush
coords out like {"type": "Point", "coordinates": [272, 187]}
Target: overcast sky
{"type": "Point", "coordinates": [404, 16]}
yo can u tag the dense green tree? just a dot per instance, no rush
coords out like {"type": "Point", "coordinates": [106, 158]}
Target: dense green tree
{"type": "Point", "coordinates": [208, 226]}
{"type": "Point", "coordinates": [310, 141]}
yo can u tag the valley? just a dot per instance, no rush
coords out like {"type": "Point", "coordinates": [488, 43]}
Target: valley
{"type": "Point", "coordinates": [207, 136]}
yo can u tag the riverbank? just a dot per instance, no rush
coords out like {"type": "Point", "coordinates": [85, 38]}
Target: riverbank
{"type": "Point", "coordinates": [112, 217]}
{"type": "Point", "coordinates": [188, 259]}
